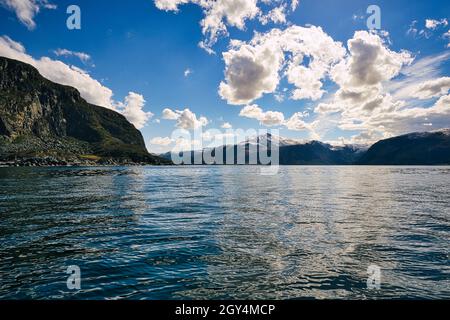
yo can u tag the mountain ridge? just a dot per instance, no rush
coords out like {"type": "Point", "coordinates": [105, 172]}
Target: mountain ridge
{"type": "Point", "coordinates": [430, 148]}
{"type": "Point", "coordinates": [42, 121]}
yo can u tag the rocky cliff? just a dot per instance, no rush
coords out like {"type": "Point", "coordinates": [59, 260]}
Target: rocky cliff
{"type": "Point", "coordinates": [40, 119]}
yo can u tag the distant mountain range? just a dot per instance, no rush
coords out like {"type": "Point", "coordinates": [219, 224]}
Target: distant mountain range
{"type": "Point", "coordinates": [428, 148]}
{"type": "Point", "coordinates": [43, 123]}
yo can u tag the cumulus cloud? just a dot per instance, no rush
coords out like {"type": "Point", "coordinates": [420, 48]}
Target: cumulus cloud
{"type": "Point", "coordinates": [168, 114]}
{"type": "Point", "coordinates": [370, 62]}
{"type": "Point", "coordinates": [304, 55]}
{"type": "Point", "coordinates": [25, 10]}
{"type": "Point", "coordinates": [84, 57]}
{"type": "Point", "coordinates": [379, 92]}
{"type": "Point", "coordinates": [132, 109]}
{"type": "Point", "coordinates": [269, 118]}
{"type": "Point", "coordinates": [361, 77]}
{"type": "Point", "coordinates": [226, 125]}
{"type": "Point", "coordinates": [219, 15]}
{"type": "Point", "coordinates": [185, 119]}
{"type": "Point", "coordinates": [90, 89]}
{"type": "Point", "coordinates": [275, 118]}
{"type": "Point", "coordinates": [296, 123]}
{"type": "Point", "coordinates": [250, 72]}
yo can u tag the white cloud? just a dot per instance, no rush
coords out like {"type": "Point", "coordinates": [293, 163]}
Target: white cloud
{"type": "Point", "coordinates": [132, 109]}
{"type": "Point", "coordinates": [250, 72]}
{"type": "Point", "coordinates": [296, 123]}
{"type": "Point", "coordinates": [433, 24]}
{"type": "Point", "coordinates": [361, 77]}
{"type": "Point", "coordinates": [326, 108]}
{"type": "Point", "coordinates": [405, 120]}
{"type": "Point", "coordinates": [370, 62]}
{"type": "Point", "coordinates": [90, 89]}
{"type": "Point", "coordinates": [253, 69]}
{"type": "Point", "coordinates": [275, 118]}
{"type": "Point", "coordinates": [168, 114]}
{"type": "Point", "coordinates": [188, 120]}
{"type": "Point", "coordinates": [160, 141]}
{"type": "Point", "coordinates": [219, 15]}
{"type": "Point", "coordinates": [252, 112]}
{"type": "Point", "coordinates": [84, 57]}
{"type": "Point", "coordinates": [185, 119]}
{"type": "Point", "coordinates": [187, 72]}
{"type": "Point", "coordinates": [421, 71]}
{"type": "Point", "coordinates": [169, 5]}
{"type": "Point", "coordinates": [25, 10]}
{"type": "Point", "coordinates": [432, 88]}
{"type": "Point", "coordinates": [379, 92]}
{"type": "Point", "coordinates": [276, 15]}
{"type": "Point", "coordinates": [226, 125]}
{"type": "Point", "coordinates": [184, 144]}
{"type": "Point", "coordinates": [269, 118]}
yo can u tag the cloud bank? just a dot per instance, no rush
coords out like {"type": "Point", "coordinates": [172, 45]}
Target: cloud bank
{"type": "Point", "coordinates": [90, 89]}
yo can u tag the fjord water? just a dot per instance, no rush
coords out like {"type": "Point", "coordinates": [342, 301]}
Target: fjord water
{"type": "Point", "coordinates": [224, 232]}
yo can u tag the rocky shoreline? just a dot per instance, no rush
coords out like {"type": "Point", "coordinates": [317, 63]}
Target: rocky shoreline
{"type": "Point", "coordinates": [55, 162]}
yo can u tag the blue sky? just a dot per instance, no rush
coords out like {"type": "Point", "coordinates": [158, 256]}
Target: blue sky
{"type": "Point", "coordinates": [140, 48]}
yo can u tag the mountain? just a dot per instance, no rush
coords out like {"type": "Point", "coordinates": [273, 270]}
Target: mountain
{"type": "Point", "coordinates": [318, 153]}
{"type": "Point", "coordinates": [427, 148]}
{"type": "Point", "coordinates": [291, 152]}
{"type": "Point", "coordinates": [40, 120]}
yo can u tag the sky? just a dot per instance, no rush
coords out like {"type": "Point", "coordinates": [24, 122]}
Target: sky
{"type": "Point", "coordinates": [311, 69]}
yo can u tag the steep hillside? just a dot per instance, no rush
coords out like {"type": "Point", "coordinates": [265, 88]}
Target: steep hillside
{"type": "Point", "coordinates": [42, 119]}
{"type": "Point", "coordinates": [428, 148]}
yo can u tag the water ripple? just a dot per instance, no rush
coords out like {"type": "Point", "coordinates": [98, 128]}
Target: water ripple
{"type": "Point", "coordinates": [224, 232]}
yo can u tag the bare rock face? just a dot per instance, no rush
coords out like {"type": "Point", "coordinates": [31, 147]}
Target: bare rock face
{"type": "Point", "coordinates": [39, 118]}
